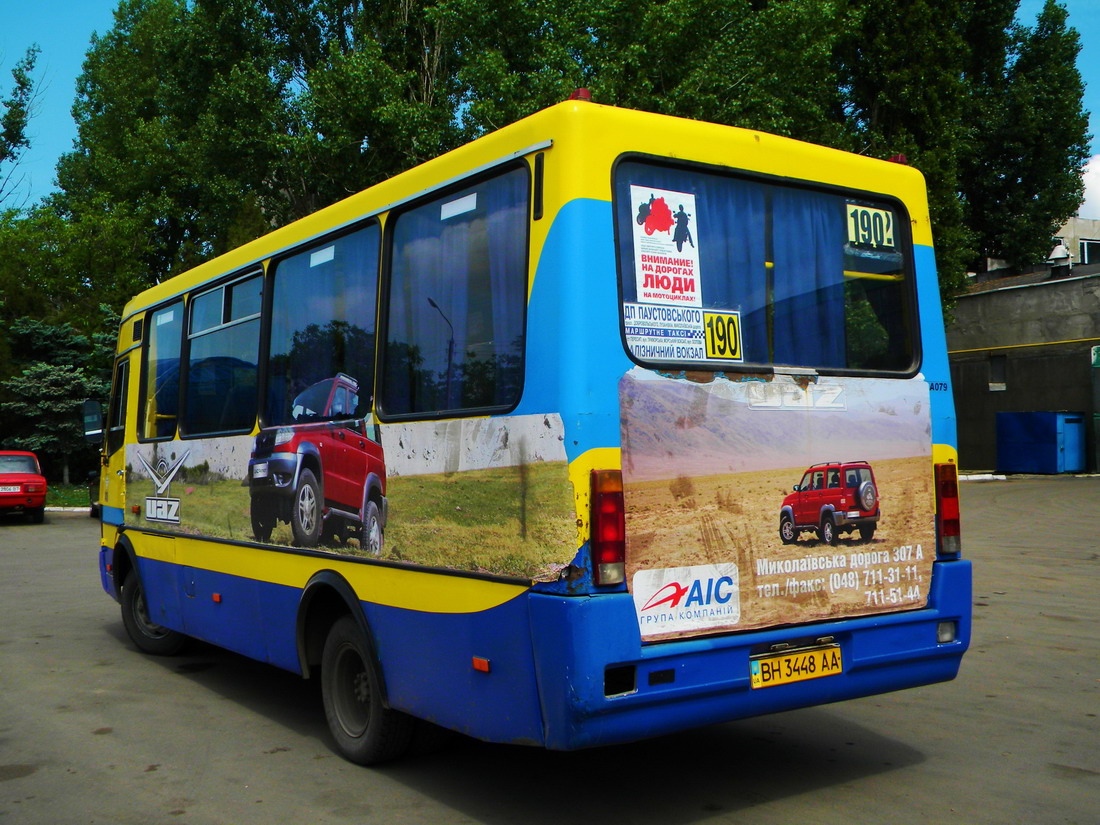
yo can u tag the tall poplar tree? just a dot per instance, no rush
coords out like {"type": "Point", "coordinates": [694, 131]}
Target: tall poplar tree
{"type": "Point", "coordinates": [1024, 171]}
{"type": "Point", "coordinates": [15, 114]}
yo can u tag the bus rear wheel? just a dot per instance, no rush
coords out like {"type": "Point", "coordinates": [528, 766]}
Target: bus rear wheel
{"type": "Point", "coordinates": [366, 731]}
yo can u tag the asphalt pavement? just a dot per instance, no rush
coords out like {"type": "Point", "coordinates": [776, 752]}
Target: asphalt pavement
{"type": "Point", "coordinates": [91, 731]}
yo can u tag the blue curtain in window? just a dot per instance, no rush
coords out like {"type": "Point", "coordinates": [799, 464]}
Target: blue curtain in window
{"type": "Point", "coordinates": [457, 299]}
{"type": "Point", "coordinates": [808, 280]}
{"type": "Point", "coordinates": [729, 230]}
{"type": "Point", "coordinates": [732, 256]}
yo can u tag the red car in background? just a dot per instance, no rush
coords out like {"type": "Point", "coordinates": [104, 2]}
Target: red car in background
{"type": "Point", "coordinates": [22, 485]}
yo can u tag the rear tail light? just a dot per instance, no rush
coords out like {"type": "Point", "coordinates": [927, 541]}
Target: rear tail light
{"type": "Point", "coordinates": [608, 544]}
{"type": "Point", "coordinates": [947, 509]}
{"type": "Point", "coordinates": [34, 487]}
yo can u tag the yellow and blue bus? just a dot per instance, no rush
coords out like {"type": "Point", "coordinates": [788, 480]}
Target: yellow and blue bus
{"type": "Point", "coordinates": [605, 425]}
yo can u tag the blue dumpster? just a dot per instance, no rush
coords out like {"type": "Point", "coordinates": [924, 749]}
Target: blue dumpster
{"type": "Point", "coordinates": [1040, 442]}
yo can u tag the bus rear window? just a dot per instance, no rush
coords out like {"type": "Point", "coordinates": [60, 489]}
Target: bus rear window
{"type": "Point", "coordinates": [724, 272]}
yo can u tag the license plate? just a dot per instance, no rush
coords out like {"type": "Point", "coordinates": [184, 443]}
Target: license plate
{"type": "Point", "coordinates": [795, 666]}
{"type": "Point", "coordinates": [8, 488]}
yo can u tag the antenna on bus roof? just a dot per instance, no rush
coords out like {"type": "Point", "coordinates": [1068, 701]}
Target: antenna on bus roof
{"type": "Point", "coordinates": [581, 94]}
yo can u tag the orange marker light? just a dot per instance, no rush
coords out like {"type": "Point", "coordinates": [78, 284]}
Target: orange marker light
{"type": "Point", "coordinates": [480, 664]}
{"type": "Point", "coordinates": [217, 597]}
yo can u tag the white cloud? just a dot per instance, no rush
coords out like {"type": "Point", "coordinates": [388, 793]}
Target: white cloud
{"type": "Point", "coordinates": [1091, 207]}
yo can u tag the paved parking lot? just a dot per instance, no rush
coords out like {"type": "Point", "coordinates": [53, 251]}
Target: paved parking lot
{"type": "Point", "coordinates": [93, 732]}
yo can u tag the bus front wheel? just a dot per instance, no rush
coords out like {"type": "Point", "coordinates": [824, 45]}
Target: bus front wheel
{"type": "Point", "coordinates": [149, 636]}
{"type": "Point", "coordinates": [366, 731]}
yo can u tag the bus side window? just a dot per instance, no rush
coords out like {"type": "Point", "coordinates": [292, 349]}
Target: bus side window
{"type": "Point", "coordinates": [323, 304]}
{"type": "Point", "coordinates": [457, 299]}
{"type": "Point", "coordinates": [223, 358]}
{"type": "Point", "coordinates": [161, 373]}
{"type": "Point", "coordinates": [116, 412]}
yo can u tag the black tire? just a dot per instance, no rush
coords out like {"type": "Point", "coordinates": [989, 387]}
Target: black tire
{"type": "Point", "coordinates": [365, 730]}
{"type": "Point", "coordinates": [370, 539]}
{"type": "Point", "coordinates": [866, 532]}
{"type": "Point", "coordinates": [787, 533]}
{"type": "Point", "coordinates": [827, 531]}
{"type": "Point", "coordinates": [149, 636]}
{"type": "Point", "coordinates": [305, 511]}
{"type": "Point", "coordinates": [263, 520]}
{"type": "Point", "coordinates": [36, 515]}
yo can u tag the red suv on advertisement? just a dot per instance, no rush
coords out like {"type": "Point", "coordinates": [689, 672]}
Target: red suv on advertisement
{"type": "Point", "coordinates": [834, 498]}
{"type": "Point", "coordinates": [22, 485]}
{"type": "Point", "coordinates": [324, 474]}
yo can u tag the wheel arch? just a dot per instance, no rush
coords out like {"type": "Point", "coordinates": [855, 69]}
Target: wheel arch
{"type": "Point", "coordinates": [123, 560]}
{"type": "Point", "coordinates": [372, 491]}
{"type": "Point", "coordinates": [327, 597]}
{"type": "Point", "coordinates": [309, 458]}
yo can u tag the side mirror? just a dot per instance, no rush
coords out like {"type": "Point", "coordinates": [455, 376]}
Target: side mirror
{"type": "Point", "coordinates": [93, 422]}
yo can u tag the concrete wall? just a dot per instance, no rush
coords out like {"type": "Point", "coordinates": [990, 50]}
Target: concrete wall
{"type": "Point", "coordinates": [1042, 335]}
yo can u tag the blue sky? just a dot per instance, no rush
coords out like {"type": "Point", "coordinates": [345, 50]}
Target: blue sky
{"type": "Point", "coordinates": [64, 29]}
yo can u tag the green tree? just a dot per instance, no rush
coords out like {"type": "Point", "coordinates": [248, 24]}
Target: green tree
{"type": "Point", "coordinates": [59, 369]}
{"type": "Point", "coordinates": [1023, 178]}
{"type": "Point", "coordinates": [902, 71]}
{"type": "Point", "coordinates": [61, 269]}
{"type": "Point", "coordinates": [204, 123]}
{"type": "Point", "coordinates": [15, 114]}
{"type": "Point", "coordinates": [175, 110]}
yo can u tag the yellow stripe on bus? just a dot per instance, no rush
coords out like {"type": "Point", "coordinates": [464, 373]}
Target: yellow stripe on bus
{"type": "Point", "coordinates": [413, 589]}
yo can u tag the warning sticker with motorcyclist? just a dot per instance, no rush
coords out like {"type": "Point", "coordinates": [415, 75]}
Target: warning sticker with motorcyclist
{"type": "Point", "coordinates": [666, 255]}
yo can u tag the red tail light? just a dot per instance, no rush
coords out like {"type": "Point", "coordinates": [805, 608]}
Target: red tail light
{"type": "Point", "coordinates": [947, 509]}
{"type": "Point", "coordinates": [608, 544]}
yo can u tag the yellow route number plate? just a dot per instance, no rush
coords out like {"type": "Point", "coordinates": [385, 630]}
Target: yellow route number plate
{"type": "Point", "coordinates": [722, 335]}
{"type": "Point", "coordinates": [795, 666]}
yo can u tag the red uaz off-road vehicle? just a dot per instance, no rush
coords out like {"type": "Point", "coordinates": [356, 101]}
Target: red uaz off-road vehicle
{"type": "Point", "coordinates": [325, 474]}
{"type": "Point", "coordinates": [834, 498]}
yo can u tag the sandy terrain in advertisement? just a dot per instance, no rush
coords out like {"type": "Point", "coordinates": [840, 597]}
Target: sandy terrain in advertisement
{"type": "Point", "coordinates": [687, 521]}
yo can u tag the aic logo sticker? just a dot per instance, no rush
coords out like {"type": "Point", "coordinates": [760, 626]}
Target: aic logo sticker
{"type": "Point", "coordinates": [159, 507]}
{"type": "Point", "coordinates": [687, 598]}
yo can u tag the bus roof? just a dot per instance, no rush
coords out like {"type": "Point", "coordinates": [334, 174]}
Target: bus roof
{"type": "Point", "coordinates": [592, 136]}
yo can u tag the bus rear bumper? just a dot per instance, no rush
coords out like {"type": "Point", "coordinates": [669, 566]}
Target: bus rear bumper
{"type": "Point", "coordinates": [619, 690]}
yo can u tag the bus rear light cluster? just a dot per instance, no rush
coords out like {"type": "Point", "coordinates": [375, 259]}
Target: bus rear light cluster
{"type": "Point", "coordinates": [947, 509]}
{"type": "Point", "coordinates": [608, 544]}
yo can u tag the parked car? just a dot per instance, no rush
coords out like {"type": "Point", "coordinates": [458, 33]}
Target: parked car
{"type": "Point", "coordinates": [22, 485]}
{"type": "Point", "coordinates": [834, 498]}
{"type": "Point", "coordinates": [324, 474]}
